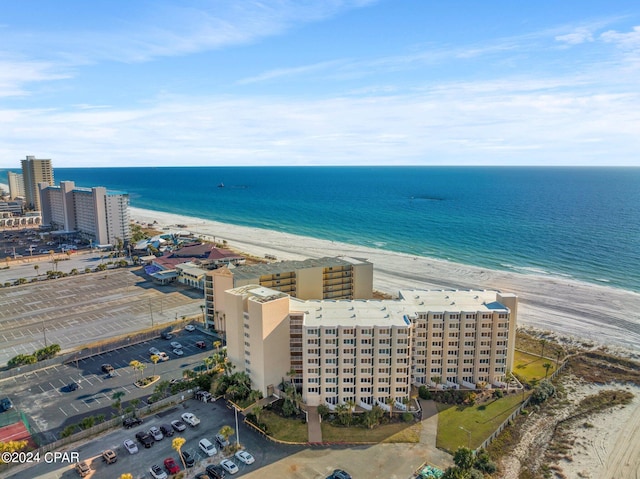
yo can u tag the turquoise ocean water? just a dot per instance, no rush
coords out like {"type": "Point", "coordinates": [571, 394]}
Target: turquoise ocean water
{"type": "Point", "coordinates": [580, 223]}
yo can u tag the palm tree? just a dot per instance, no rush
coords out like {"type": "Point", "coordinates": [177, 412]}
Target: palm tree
{"type": "Point", "coordinates": [154, 359]}
{"type": "Point", "coordinates": [117, 400]}
{"type": "Point", "coordinates": [208, 362]}
{"type": "Point", "coordinates": [204, 324]}
{"type": "Point", "coordinates": [177, 444]}
{"type": "Point", "coordinates": [559, 354]}
{"type": "Point", "coordinates": [341, 411]}
{"type": "Point", "coordinates": [351, 404]}
{"type": "Point", "coordinates": [389, 402]}
{"type": "Point", "coordinates": [546, 366]}
{"type": "Point", "coordinates": [135, 365]}
{"type": "Point", "coordinates": [226, 432]}
{"type": "Point", "coordinates": [36, 267]}
{"type": "Point", "coordinates": [543, 343]}
{"type": "Point", "coordinates": [217, 344]}
{"type": "Point", "coordinates": [126, 475]}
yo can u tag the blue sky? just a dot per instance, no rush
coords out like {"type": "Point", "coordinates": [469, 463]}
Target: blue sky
{"type": "Point", "coordinates": [233, 82]}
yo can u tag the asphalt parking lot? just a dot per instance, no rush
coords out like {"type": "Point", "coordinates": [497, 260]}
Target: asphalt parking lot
{"type": "Point", "coordinates": [212, 415]}
{"type": "Point", "coordinates": [77, 310]}
{"type": "Point", "coordinates": [46, 400]}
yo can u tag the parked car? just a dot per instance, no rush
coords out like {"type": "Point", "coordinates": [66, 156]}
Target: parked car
{"type": "Point", "coordinates": [156, 433]}
{"type": "Point", "coordinates": [201, 344]}
{"type": "Point", "coordinates": [5, 404]}
{"type": "Point", "coordinates": [130, 446]}
{"type": "Point", "coordinates": [83, 469]}
{"type": "Point", "coordinates": [339, 474]}
{"type": "Point", "coordinates": [190, 419]}
{"type": "Point", "coordinates": [129, 422]}
{"type": "Point", "coordinates": [190, 328]}
{"type": "Point", "coordinates": [166, 429]}
{"type": "Point", "coordinates": [144, 439]}
{"type": "Point", "coordinates": [163, 356]}
{"type": "Point", "coordinates": [178, 425]}
{"type": "Point", "coordinates": [72, 386]}
{"type": "Point", "coordinates": [153, 351]}
{"type": "Point", "coordinates": [222, 441]}
{"type": "Point", "coordinates": [109, 456]}
{"type": "Point", "coordinates": [188, 458]}
{"type": "Point", "coordinates": [207, 447]}
{"type": "Point", "coordinates": [107, 368]}
{"type": "Point", "coordinates": [166, 335]}
{"type": "Point", "coordinates": [244, 456]}
{"type": "Point", "coordinates": [176, 345]}
{"type": "Point", "coordinates": [157, 472]}
{"type": "Point", "coordinates": [171, 466]}
{"type": "Point", "coordinates": [215, 472]}
{"type": "Point", "coordinates": [178, 352]}
{"type": "Point", "coordinates": [229, 466]}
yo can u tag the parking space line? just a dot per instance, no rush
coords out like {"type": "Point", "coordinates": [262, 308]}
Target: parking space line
{"type": "Point", "coordinates": [40, 386]}
{"type": "Point", "coordinates": [73, 406]}
{"type": "Point", "coordinates": [62, 410]}
{"type": "Point", "coordinates": [87, 380]}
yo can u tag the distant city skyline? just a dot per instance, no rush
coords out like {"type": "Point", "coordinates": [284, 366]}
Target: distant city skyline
{"type": "Point", "coordinates": [351, 82]}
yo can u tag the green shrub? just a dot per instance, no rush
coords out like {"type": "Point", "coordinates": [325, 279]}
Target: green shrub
{"type": "Point", "coordinates": [407, 417]}
{"type": "Point", "coordinates": [424, 392]}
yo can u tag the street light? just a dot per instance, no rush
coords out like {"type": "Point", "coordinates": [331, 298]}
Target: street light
{"type": "Point", "coordinates": [469, 433]}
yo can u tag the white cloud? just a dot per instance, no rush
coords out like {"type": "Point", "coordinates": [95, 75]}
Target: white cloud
{"type": "Point", "coordinates": [16, 74]}
{"type": "Point", "coordinates": [288, 72]}
{"type": "Point", "coordinates": [627, 41]}
{"type": "Point", "coordinates": [580, 35]}
{"type": "Point", "coordinates": [496, 123]}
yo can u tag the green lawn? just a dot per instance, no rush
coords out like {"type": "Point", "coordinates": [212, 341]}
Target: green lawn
{"type": "Point", "coordinates": [289, 430]}
{"type": "Point", "coordinates": [481, 420]}
{"type": "Point", "coordinates": [529, 366]}
{"type": "Point", "coordinates": [395, 432]}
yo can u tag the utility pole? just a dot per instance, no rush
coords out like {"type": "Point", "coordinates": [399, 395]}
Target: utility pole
{"type": "Point", "coordinates": [44, 333]}
{"type": "Point", "coordinates": [151, 313]}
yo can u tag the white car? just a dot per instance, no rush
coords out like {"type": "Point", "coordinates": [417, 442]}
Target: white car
{"type": "Point", "coordinates": [130, 446]}
{"type": "Point", "coordinates": [163, 356]}
{"type": "Point", "coordinates": [156, 433]}
{"type": "Point", "coordinates": [178, 352]}
{"type": "Point", "coordinates": [190, 419]}
{"type": "Point", "coordinates": [157, 472]}
{"type": "Point", "coordinates": [207, 447]}
{"type": "Point", "coordinates": [155, 351]}
{"type": "Point", "coordinates": [176, 345]}
{"type": "Point", "coordinates": [229, 466]}
{"type": "Point", "coordinates": [190, 328]}
{"type": "Point", "coordinates": [178, 425]}
{"type": "Point", "coordinates": [244, 456]}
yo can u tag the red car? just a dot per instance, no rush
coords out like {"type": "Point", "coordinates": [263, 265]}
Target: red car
{"type": "Point", "coordinates": [201, 344]}
{"type": "Point", "coordinates": [171, 466]}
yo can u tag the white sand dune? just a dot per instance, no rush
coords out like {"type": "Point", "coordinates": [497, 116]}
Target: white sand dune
{"type": "Point", "coordinates": [573, 309]}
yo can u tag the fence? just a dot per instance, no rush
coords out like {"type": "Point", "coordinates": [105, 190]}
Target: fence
{"type": "Point", "coordinates": [515, 413]}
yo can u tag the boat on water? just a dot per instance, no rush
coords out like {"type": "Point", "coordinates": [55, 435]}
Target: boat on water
{"type": "Point", "coordinates": [221, 185]}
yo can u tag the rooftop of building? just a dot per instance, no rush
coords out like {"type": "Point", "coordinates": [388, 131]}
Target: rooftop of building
{"type": "Point", "coordinates": [256, 270]}
{"type": "Point", "coordinates": [452, 300]}
{"type": "Point", "coordinates": [258, 293]}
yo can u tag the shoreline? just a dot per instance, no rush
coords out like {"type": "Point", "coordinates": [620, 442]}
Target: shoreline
{"type": "Point", "coordinates": [584, 312]}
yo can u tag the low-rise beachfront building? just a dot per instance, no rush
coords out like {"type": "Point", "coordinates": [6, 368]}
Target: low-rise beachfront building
{"type": "Point", "coordinates": [322, 278]}
{"type": "Point", "coordinates": [370, 352]}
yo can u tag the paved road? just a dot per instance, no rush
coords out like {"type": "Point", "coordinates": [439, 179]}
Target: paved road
{"type": "Point", "coordinates": [77, 310]}
{"type": "Point", "coordinates": [44, 397]}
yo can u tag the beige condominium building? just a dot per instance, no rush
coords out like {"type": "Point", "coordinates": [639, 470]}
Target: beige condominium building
{"type": "Point", "coordinates": [370, 352]}
{"type": "Point", "coordinates": [35, 171]}
{"type": "Point", "coordinates": [323, 278]}
{"type": "Point", "coordinates": [16, 185]}
{"type": "Point", "coordinates": [97, 214]}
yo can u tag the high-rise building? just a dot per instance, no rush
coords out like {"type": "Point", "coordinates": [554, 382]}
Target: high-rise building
{"type": "Point", "coordinates": [35, 172]}
{"type": "Point", "coordinates": [97, 214]}
{"type": "Point", "coordinates": [16, 185]}
{"type": "Point", "coordinates": [370, 352]}
{"type": "Point", "coordinates": [323, 278]}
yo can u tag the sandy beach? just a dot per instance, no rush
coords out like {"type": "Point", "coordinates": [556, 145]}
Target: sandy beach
{"type": "Point", "coordinates": [589, 313]}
